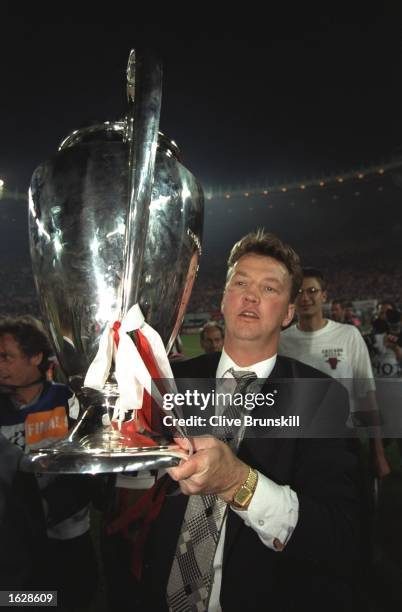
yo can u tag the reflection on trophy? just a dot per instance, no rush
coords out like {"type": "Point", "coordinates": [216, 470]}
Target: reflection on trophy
{"type": "Point", "coordinates": [115, 229]}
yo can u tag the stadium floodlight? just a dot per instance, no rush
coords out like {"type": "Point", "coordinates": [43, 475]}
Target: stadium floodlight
{"type": "Point", "coordinates": [1, 187]}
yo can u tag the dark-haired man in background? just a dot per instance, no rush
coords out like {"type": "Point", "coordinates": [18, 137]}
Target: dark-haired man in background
{"type": "Point", "coordinates": [349, 315]}
{"type": "Point", "coordinates": [336, 349]}
{"type": "Point", "coordinates": [337, 311]}
{"type": "Point", "coordinates": [44, 519]}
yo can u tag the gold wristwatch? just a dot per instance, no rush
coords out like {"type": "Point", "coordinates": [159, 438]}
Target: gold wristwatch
{"type": "Point", "coordinates": [244, 494]}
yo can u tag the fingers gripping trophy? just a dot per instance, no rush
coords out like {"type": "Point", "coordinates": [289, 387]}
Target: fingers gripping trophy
{"type": "Point", "coordinates": [115, 231]}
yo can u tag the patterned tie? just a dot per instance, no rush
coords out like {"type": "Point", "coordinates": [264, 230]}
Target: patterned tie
{"type": "Point", "coordinates": [191, 576]}
{"type": "Point", "coordinates": [244, 378]}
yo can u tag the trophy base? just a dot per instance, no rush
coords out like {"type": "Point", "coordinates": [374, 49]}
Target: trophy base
{"type": "Point", "coordinates": [96, 445]}
{"type": "Point", "coordinates": [81, 461]}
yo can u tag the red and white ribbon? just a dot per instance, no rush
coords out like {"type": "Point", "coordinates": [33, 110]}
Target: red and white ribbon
{"type": "Point", "coordinates": [131, 373]}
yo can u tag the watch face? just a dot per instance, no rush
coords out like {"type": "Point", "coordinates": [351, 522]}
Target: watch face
{"type": "Point", "coordinates": [243, 496]}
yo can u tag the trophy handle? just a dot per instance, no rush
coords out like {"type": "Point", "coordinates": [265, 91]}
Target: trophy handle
{"type": "Point", "coordinates": [142, 125]}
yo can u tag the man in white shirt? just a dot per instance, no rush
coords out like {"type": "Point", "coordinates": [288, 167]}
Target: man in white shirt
{"type": "Point", "coordinates": [334, 348]}
{"type": "Point", "coordinates": [290, 505]}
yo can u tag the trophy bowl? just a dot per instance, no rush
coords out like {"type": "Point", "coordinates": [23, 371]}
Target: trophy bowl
{"type": "Point", "coordinates": [115, 220]}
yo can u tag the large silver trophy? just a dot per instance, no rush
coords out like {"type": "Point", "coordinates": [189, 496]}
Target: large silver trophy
{"type": "Point", "coordinates": [115, 223]}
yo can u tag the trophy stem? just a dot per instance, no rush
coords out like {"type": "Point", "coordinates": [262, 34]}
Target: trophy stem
{"type": "Point", "coordinates": [142, 132]}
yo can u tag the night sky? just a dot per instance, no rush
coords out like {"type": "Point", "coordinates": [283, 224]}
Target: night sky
{"type": "Point", "coordinates": [248, 100]}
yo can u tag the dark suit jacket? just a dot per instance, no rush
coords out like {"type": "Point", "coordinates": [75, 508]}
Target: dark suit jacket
{"type": "Point", "coordinates": [22, 522]}
{"type": "Point", "coordinates": [316, 566]}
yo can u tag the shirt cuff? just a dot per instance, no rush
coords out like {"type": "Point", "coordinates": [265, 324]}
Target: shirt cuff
{"type": "Point", "coordinates": [273, 512]}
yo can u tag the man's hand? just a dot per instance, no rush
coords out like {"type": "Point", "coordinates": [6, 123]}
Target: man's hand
{"type": "Point", "coordinates": [380, 460]}
{"type": "Point", "coordinates": [212, 469]}
{"type": "Point", "coordinates": [382, 465]}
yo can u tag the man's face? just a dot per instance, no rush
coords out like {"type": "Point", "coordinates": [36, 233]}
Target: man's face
{"type": "Point", "coordinates": [255, 304]}
{"type": "Point", "coordinates": [212, 340]}
{"type": "Point", "coordinates": [349, 312]}
{"type": "Point", "coordinates": [383, 310]}
{"type": "Point", "coordinates": [337, 312]}
{"type": "Point", "coordinates": [15, 367]}
{"type": "Point", "coordinates": [310, 298]}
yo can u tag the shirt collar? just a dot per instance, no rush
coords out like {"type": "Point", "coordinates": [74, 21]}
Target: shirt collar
{"type": "Point", "coordinates": [262, 368]}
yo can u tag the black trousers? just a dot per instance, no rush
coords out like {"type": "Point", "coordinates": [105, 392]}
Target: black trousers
{"type": "Point", "coordinates": [72, 571]}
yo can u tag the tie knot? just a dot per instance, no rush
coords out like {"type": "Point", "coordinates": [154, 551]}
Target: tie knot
{"type": "Point", "coordinates": [243, 375]}
{"type": "Point", "coordinates": [243, 379]}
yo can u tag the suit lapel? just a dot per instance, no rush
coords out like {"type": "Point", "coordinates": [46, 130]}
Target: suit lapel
{"type": "Point", "coordinates": [259, 451]}
{"type": "Point", "coordinates": [278, 384]}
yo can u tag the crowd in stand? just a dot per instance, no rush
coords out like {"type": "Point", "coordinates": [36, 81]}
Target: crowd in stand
{"type": "Point", "coordinates": [347, 279]}
{"type": "Point", "coordinates": [18, 295]}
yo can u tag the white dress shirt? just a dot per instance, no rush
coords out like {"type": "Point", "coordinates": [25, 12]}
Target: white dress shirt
{"type": "Point", "coordinates": [274, 509]}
